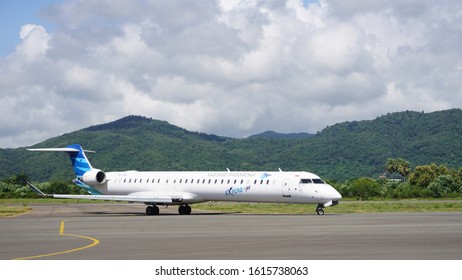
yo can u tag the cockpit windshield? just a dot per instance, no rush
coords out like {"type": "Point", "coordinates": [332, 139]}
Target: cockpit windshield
{"type": "Point", "coordinates": [318, 181]}
{"type": "Point", "coordinates": [305, 181]}
{"type": "Point", "coordinates": [311, 181]}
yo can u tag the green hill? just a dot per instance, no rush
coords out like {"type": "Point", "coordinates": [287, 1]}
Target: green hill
{"type": "Point", "coordinates": [274, 135]}
{"type": "Point", "coordinates": [339, 152]}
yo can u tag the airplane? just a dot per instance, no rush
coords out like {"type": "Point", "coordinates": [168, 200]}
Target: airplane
{"type": "Point", "coordinates": [184, 188]}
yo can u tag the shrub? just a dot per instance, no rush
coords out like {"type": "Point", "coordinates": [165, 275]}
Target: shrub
{"type": "Point", "coordinates": [443, 186]}
{"type": "Point", "coordinates": [365, 188]}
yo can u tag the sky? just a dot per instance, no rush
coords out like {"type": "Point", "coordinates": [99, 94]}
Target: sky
{"type": "Point", "coordinates": [228, 67]}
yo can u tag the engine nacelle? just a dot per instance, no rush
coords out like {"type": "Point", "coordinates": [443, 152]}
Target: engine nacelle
{"type": "Point", "coordinates": [94, 177]}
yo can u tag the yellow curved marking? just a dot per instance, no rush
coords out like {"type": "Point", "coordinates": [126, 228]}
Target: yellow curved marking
{"type": "Point", "coordinates": [17, 215]}
{"type": "Point", "coordinates": [61, 233]}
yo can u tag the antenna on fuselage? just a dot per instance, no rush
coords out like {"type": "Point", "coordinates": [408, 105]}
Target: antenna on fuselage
{"type": "Point", "coordinates": [228, 169]}
{"type": "Point", "coordinates": [280, 170]}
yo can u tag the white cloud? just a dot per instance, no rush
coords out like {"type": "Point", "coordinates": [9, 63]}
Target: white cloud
{"type": "Point", "coordinates": [232, 68]}
{"type": "Point", "coordinates": [34, 44]}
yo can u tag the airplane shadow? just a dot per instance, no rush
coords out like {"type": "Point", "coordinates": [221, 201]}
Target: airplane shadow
{"type": "Point", "coordinates": [142, 214]}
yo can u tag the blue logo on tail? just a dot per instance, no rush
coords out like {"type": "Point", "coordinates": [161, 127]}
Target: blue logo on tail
{"type": "Point", "coordinates": [79, 160]}
{"type": "Point", "coordinates": [81, 165]}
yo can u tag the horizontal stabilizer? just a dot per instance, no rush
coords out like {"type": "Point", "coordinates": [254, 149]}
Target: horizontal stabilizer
{"type": "Point", "coordinates": [67, 150]}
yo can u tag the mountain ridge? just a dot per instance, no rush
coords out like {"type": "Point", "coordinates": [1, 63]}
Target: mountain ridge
{"type": "Point", "coordinates": [269, 134]}
{"type": "Point", "coordinates": [342, 151]}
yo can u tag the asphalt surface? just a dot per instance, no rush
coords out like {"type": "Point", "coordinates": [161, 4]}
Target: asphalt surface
{"type": "Point", "coordinates": [120, 232]}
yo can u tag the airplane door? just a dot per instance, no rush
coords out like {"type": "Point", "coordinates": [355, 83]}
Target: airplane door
{"type": "Point", "coordinates": [286, 188]}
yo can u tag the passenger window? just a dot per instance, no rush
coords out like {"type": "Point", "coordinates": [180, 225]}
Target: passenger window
{"type": "Point", "coordinates": [125, 180]}
{"type": "Point", "coordinates": [216, 181]}
{"type": "Point", "coordinates": [134, 181]}
{"type": "Point", "coordinates": [261, 182]}
{"type": "Point", "coordinates": [255, 182]}
{"type": "Point", "coordinates": [267, 182]}
{"type": "Point", "coordinates": [130, 180]}
{"type": "Point", "coordinates": [242, 182]}
{"type": "Point", "coordinates": [210, 181]}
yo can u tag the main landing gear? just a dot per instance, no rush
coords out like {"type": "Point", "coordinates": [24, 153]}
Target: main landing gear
{"type": "Point", "coordinates": [320, 209]}
{"type": "Point", "coordinates": [154, 210]}
{"type": "Point", "coordinates": [184, 210]}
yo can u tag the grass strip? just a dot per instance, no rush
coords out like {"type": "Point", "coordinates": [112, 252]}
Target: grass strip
{"type": "Point", "coordinates": [349, 207]}
{"type": "Point", "coordinates": [11, 207]}
{"type": "Point", "coordinates": [10, 211]}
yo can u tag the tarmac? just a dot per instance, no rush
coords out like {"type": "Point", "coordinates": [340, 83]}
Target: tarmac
{"type": "Point", "coordinates": [124, 232]}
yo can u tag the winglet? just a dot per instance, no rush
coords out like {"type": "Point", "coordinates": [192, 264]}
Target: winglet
{"type": "Point", "coordinates": [35, 189]}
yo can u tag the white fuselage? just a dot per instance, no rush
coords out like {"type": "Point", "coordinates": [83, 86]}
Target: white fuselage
{"type": "Point", "coordinates": [195, 187]}
{"type": "Point", "coordinates": [187, 187]}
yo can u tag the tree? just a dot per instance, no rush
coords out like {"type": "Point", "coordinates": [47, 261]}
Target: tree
{"type": "Point", "coordinates": [398, 165]}
{"type": "Point", "coordinates": [424, 175]}
{"type": "Point", "coordinates": [443, 186]}
{"type": "Point", "coordinates": [16, 179]}
{"type": "Point", "coordinates": [365, 188]}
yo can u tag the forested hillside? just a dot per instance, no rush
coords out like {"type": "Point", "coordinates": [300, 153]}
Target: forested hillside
{"type": "Point", "coordinates": [274, 135]}
{"type": "Point", "coordinates": [339, 152]}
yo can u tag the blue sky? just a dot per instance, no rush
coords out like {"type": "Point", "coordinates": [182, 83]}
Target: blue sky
{"type": "Point", "coordinates": [16, 13]}
{"type": "Point", "coordinates": [228, 67]}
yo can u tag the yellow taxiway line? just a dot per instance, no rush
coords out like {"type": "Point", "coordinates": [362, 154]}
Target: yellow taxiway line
{"type": "Point", "coordinates": [61, 233]}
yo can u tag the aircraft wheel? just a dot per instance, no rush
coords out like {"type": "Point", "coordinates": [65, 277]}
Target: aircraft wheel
{"type": "Point", "coordinates": [320, 211]}
{"type": "Point", "coordinates": [152, 210]}
{"type": "Point", "coordinates": [184, 210]}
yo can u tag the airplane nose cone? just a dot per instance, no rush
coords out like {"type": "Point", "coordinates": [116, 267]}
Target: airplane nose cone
{"type": "Point", "coordinates": [334, 194]}
{"type": "Point", "coordinates": [337, 196]}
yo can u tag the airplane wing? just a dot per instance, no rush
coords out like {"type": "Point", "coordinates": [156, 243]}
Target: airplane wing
{"type": "Point", "coordinates": [129, 198]}
{"type": "Point", "coordinates": [143, 197]}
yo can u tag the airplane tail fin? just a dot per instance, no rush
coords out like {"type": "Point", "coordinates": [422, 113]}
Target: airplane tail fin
{"type": "Point", "coordinates": [83, 170]}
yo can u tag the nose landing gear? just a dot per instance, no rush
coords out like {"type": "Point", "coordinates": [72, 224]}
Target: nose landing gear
{"type": "Point", "coordinates": [320, 209]}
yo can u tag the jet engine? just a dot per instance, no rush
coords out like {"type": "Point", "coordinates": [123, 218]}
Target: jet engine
{"type": "Point", "coordinates": [94, 177]}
